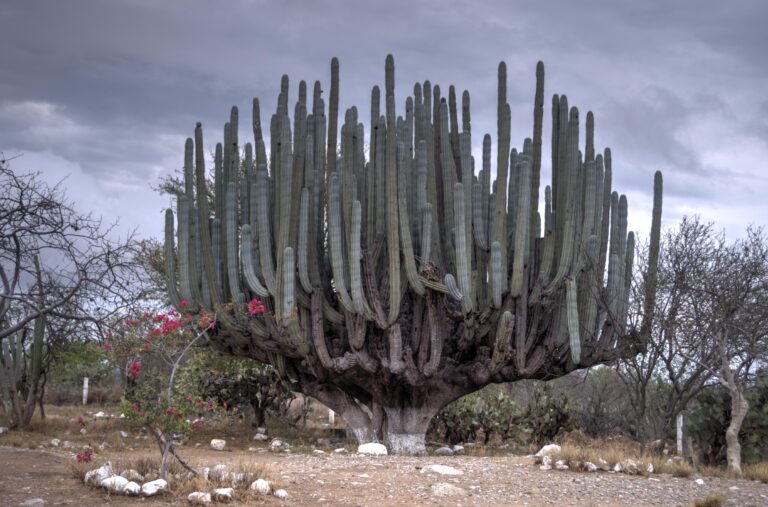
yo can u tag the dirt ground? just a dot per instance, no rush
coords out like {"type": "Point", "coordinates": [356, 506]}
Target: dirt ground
{"type": "Point", "coordinates": [30, 468]}
{"type": "Point", "coordinates": [351, 480]}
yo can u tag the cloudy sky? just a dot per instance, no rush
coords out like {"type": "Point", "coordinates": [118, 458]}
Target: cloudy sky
{"type": "Point", "coordinates": [103, 94]}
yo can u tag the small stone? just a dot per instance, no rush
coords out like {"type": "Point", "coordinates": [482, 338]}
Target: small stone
{"type": "Point", "coordinates": [699, 481]}
{"type": "Point", "coordinates": [561, 464]}
{"type": "Point", "coordinates": [83, 431]}
{"type": "Point", "coordinates": [199, 498]}
{"type": "Point", "coordinates": [340, 450]}
{"type": "Point", "coordinates": [617, 467]}
{"type": "Point", "coordinates": [630, 467]}
{"type": "Point", "coordinates": [262, 430]}
{"type": "Point", "coordinates": [99, 415]}
{"type": "Point", "coordinates": [218, 473]}
{"type": "Point", "coordinates": [94, 477]}
{"type": "Point", "coordinates": [218, 444]}
{"type": "Point", "coordinates": [445, 489]}
{"type": "Point", "coordinates": [649, 469]}
{"type": "Point", "coordinates": [318, 451]}
{"type": "Point", "coordinates": [260, 437]}
{"type": "Point", "coordinates": [55, 442]}
{"type": "Point", "coordinates": [372, 449]}
{"type": "Point", "coordinates": [441, 469]}
{"type": "Point", "coordinates": [281, 494]}
{"type": "Point", "coordinates": [443, 451]}
{"type": "Point", "coordinates": [223, 494]}
{"type": "Point", "coordinates": [3, 430]}
{"type": "Point", "coordinates": [458, 449]}
{"type": "Point", "coordinates": [277, 445]}
{"type": "Point", "coordinates": [153, 487]}
{"type": "Point", "coordinates": [734, 488]}
{"type": "Point", "coordinates": [115, 484]}
{"type": "Point", "coordinates": [34, 502]}
{"type": "Point", "coordinates": [603, 465]}
{"type": "Point", "coordinates": [590, 467]}
{"type": "Point", "coordinates": [132, 475]}
{"type": "Point", "coordinates": [237, 478]}
{"type": "Point", "coordinates": [547, 450]}
{"type": "Point", "coordinates": [132, 488]}
{"type": "Point", "coordinates": [123, 434]}
{"type": "Point", "coordinates": [261, 486]}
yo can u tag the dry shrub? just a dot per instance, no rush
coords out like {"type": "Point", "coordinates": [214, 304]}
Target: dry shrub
{"type": "Point", "coordinates": [757, 472]}
{"type": "Point", "coordinates": [711, 501]}
{"type": "Point", "coordinates": [620, 453]}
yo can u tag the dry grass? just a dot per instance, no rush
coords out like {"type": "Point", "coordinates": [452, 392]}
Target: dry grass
{"type": "Point", "coordinates": [757, 472]}
{"type": "Point", "coordinates": [711, 501]}
{"type": "Point", "coordinates": [620, 454]}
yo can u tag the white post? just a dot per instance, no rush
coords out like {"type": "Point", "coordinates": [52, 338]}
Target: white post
{"type": "Point", "coordinates": [680, 434]}
{"type": "Point", "coordinates": [331, 417]}
{"type": "Point", "coordinates": [85, 390]}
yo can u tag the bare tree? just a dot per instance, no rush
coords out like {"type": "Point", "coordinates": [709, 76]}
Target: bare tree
{"type": "Point", "coordinates": [56, 264]}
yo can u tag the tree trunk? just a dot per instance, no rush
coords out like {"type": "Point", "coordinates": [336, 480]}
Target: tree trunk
{"type": "Point", "coordinates": [739, 408]}
{"type": "Point", "coordinates": [405, 428]}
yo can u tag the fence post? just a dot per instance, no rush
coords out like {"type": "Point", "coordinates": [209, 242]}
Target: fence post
{"type": "Point", "coordinates": [85, 390]}
{"type": "Point", "coordinates": [680, 434]}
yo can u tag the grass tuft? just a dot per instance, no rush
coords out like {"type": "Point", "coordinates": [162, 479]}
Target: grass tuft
{"type": "Point", "coordinates": [711, 501]}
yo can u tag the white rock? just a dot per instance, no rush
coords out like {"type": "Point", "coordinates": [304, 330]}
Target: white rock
{"type": "Point", "coordinates": [262, 430]}
{"type": "Point", "coordinates": [55, 442]}
{"type": "Point", "coordinates": [94, 477]}
{"type": "Point", "coordinates": [340, 450]}
{"type": "Point", "coordinates": [132, 488]}
{"type": "Point", "coordinates": [261, 486]}
{"type": "Point", "coordinates": [547, 450]}
{"type": "Point", "coordinates": [649, 469]}
{"type": "Point", "coordinates": [199, 498]}
{"type": "Point", "coordinates": [115, 484]}
{"type": "Point", "coordinates": [153, 487]}
{"type": "Point", "coordinates": [132, 475]}
{"type": "Point", "coordinates": [590, 467]}
{"type": "Point", "coordinates": [33, 502]}
{"type": "Point", "coordinates": [318, 451]}
{"type": "Point", "coordinates": [443, 451]}
{"type": "Point", "coordinates": [630, 467]}
{"type": "Point", "coordinates": [3, 430]}
{"type": "Point", "coordinates": [123, 434]}
{"type": "Point", "coordinates": [441, 469]}
{"type": "Point", "coordinates": [458, 449]}
{"type": "Point", "coordinates": [445, 489]}
{"type": "Point", "coordinates": [372, 449]}
{"type": "Point", "coordinates": [83, 431]}
{"type": "Point", "coordinates": [561, 464]}
{"type": "Point", "coordinates": [237, 478]}
{"type": "Point", "coordinates": [67, 444]}
{"type": "Point", "coordinates": [206, 473]}
{"type": "Point", "coordinates": [617, 467]}
{"type": "Point", "coordinates": [603, 465]}
{"type": "Point", "coordinates": [260, 437]}
{"type": "Point", "coordinates": [99, 415]}
{"type": "Point", "coordinates": [278, 445]}
{"type": "Point", "coordinates": [223, 494]}
{"type": "Point", "coordinates": [218, 473]}
{"type": "Point", "coordinates": [281, 494]}
{"type": "Point", "coordinates": [734, 488]}
{"type": "Point", "coordinates": [218, 444]}
{"type": "Point", "coordinates": [699, 481]}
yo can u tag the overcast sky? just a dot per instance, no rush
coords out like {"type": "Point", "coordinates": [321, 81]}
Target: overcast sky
{"type": "Point", "coordinates": [104, 93]}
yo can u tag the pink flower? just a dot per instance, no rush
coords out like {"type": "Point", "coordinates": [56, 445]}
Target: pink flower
{"type": "Point", "coordinates": [184, 303]}
{"type": "Point", "coordinates": [255, 307]}
{"type": "Point", "coordinates": [134, 369]}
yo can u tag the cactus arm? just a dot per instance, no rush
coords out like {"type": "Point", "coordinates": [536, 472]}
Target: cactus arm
{"type": "Point", "coordinates": [495, 273]}
{"type": "Point", "coordinates": [335, 243]}
{"type": "Point", "coordinates": [522, 227]}
{"type": "Point", "coordinates": [426, 235]}
{"type": "Point", "coordinates": [409, 257]}
{"type": "Point", "coordinates": [393, 241]}
{"type": "Point", "coordinates": [573, 320]}
{"type": "Point", "coordinates": [265, 232]}
{"type": "Point", "coordinates": [304, 241]}
{"type": "Point", "coordinates": [231, 232]}
{"type": "Point", "coordinates": [289, 283]}
{"type": "Point", "coordinates": [203, 219]}
{"type": "Point", "coordinates": [502, 340]}
{"type": "Point", "coordinates": [462, 251]}
{"type": "Point", "coordinates": [246, 256]}
{"type": "Point", "coordinates": [170, 269]}
{"type": "Point", "coordinates": [355, 257]}
{"type": "Point", "coordinates": [651, 275]}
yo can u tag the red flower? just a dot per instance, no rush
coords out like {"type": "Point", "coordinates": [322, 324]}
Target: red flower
{"type": "Point", "coordinates": [106, 346]}
{"type": "Point", "coordinates": [169, 410]}
{"type": "Point", "coordinates": [184, 303]}
{"type": "Point", "coordinates": [134, 406]}
{"type": "Point", "coordinates": [134, 369]}
{"type": "Point", "coordinates": [256, 307]}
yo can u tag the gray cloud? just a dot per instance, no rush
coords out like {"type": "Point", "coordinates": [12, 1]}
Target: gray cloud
{"type": "Point", "coordinates": [109, 90]}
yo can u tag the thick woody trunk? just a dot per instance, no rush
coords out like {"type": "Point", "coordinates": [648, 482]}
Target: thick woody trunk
{"type": "Point", "coordinates": [739, 408]}
{"type": "Point", "coordinates": [405, 429]}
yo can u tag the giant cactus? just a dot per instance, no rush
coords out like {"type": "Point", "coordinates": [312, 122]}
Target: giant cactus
{"type": "Point", "coordinates": [419, 280]}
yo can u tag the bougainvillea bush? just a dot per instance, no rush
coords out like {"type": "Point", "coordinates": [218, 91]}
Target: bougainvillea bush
{"type": "Point", "coordinates": [150, 349]}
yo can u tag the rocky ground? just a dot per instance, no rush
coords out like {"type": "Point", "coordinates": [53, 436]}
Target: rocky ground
{"type": "Point", "coordinates": [352, 480]}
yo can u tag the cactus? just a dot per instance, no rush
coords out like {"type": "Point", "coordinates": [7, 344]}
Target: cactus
{"type": "Point", "coordinates": [419, 279]}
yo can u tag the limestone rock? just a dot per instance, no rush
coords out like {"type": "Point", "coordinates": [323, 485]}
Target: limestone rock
{"type": "Point", "coordinates": [261, 486]}
{"type": "Point", "coordinates": [649, 469]}
{"type": "Point", "coordinates": [699, 481]}
{"type": "Point", "coordinates": [318, 451]}
{"type": "Point", "coordinates": [33, 502]}
{"type": "Point", "coordinates": [340, 450]}
{"type": "Point", "coordinates": [132, 475]}
{"type": "Point", "coordinates": [223, 494]}
{"type": "Point", "coordinates": [132, 488]}
{"type": "Point", "coordinates": [630, 467]}
{"type": "Point", "coordinates": [153, 487]}
{"type": "Point", "coordinates": [115, 484]}
{"type": "Point", "coordinates": [55, 442]}
{"type": "Point", "coordinates": [590, 467]}
{"type": "Point", "coordinates": [547, 450]}
{"type": "Point", "coordinates": [277, 445]}
{"type": "Point", "coordinates": [617, 467]}
{"type": "Point", "coordinates": [372, 449]}
{"type": "Point", "coordinates": [281, 494]}
{"type": "Point", "coordinates": [123, 434]}
{"type": "Point", "coordinates": [458, 449]}
{"type": "Point", "coordinates": [260, 437]}
{"type": "Point", "coordinates": [603, 465]}
{"type": "Point", "coordinates": [218, 444]}
{"type": "Point", "coordinates": [218, 473]}
{"type": "Point", "coordinates": [94, 477]}
{"type": "Point", "coordinates": [237, 478]}
{"type": "Point", "coordinates": [446, 489]}
{"type": "Point", "coordinates": [441, 469]}
{"type": "Point", "coordinates": [3, 430]}
{"type": "Point", "coordinates": [443, 451]}
{"type": "Point", "coordinates": [199, 498]}
{"type": "Point", "coordinates": [561, 464]}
